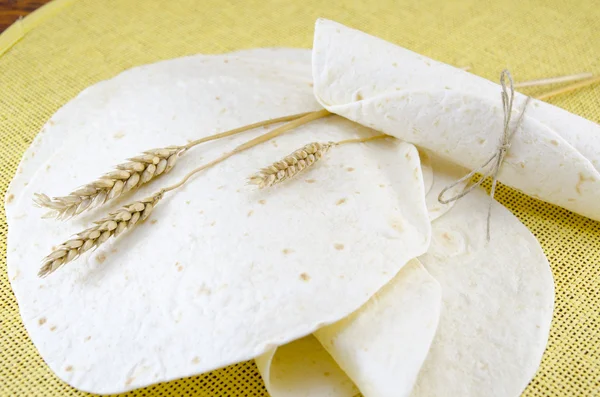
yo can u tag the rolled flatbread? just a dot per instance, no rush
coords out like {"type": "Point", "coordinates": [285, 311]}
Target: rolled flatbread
{"type": "Point", "coordinates": [554, 155]}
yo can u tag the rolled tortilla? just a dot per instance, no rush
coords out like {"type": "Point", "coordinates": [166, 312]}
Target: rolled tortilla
{"type": "Point", "coordinates": [201, 284]}
{"type": "Point", "coordinates": [554, 155]}
{"type": "Point", "coordinates": [497, 304]}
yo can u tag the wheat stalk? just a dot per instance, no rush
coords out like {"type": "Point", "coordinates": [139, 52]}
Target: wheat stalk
{"type": "Point", "coordinates": [290, 165]}
{"type": "Point", "coordinates": [111, 226]}
{"type": "Point", "coordinates": [128, 216]}
{"type": "Point", "coordinates": [297, 161]}
{"type": "Point", "coordinates": [132, 174]}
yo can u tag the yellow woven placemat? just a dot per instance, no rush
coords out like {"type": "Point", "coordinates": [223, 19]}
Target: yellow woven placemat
{"type": "Point", "coordinates": [74, 44]}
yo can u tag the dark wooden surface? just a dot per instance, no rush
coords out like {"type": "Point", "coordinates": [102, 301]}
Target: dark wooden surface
{"type": "Point", "coordinates": [11, 10]}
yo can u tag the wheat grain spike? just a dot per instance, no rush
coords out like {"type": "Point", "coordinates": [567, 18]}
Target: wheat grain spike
{"type": "Point", "coordinates": [290, 165]}
{"type": "Point", "coordinates": [127, 176]}
{"type": "Point", "coordinates": [111, 226]}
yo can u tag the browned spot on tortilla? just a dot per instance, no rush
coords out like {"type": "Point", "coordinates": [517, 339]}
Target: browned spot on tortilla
{"type": "Point", "coordinates": [42, 321]}
{"type": "Point", "coordinates": [87, 338]}
{"type": "Point", "coordinates": [396, 225]}
{"type": "Point", "coordinates": [217, 98]}
{"type": "Point", "coordinates": [129, 380]}
{"type": "Point", "coordinates": [305, 277]}
{"type": "Point", "coordinates": [274, 143]}
{"type": "Point", "coordinates": [213, 223]}
{"type": "Point", "coordinates": [114, 250]}
{"type": "Point", "coordinates": [416, 173]}
{"type": "Point", "coordinates": [338, 246]}
{"type": "Point", "coordinates": [582, 179]}
{"type": "Point", "coordinates": [250, 213]}
{"type": "Point", "coordinates": [481, 141]}
{"type": "Point", "coordinates": [221, 187]}
{"type": "Point", "coordinates": [17, 273]}
{"type": "Point", "coordinates": [53, 328]}
{"type": "Point", "coordinates": [436, 122]}
{"type": "Point", "coordinates": [287, 251]}
{"type": "Point", "coordinates": [340, 201]}
{"type": "Point", "coordinates": [381, 185]}
{"type": "Point", "coordinates": [226, 61]}
{"type": "Point", "coordinates": [446, 236]}
{"type": "Point", "coordinates": [571, 199]}
{"type": "Point", "coordinates": [394, 64]}
{"type": "Point", "coordinates": [101, 257]}
{"type": "Point", "coordinates": [119, 135]}
{"type": "Point", "coordinates": [10, 198]}
{"type": "Point", "coordinates": [522, 164]}
{"type": "Point", "coordinates": [349, 169]}
{"type": "Point", "coordinates": [359, 97]}
{"type": "Point", "coordinates": [51, 122]}
{"type": "Point", "coordinates": [407, 155]}
{"type": "Point", "coordinates": [310, 181]}
{"type": "Point", "coordinates": [263, 202]}
{"type": "Point", "coordinates": [153, 221]}
{"type": "Point", "coordinates": [342, 276]}
{"type": "Point", "coordinates": [196, 360]}
{"type": "Point", "coordinates": [179, 268]}
{"type": "Point", "coordinates": [69, 368]}
{"type": "Point", "coordinates": [555, 143]}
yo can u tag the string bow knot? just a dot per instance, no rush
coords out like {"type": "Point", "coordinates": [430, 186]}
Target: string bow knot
{"type": "Point", "coordinates": [496, 160]}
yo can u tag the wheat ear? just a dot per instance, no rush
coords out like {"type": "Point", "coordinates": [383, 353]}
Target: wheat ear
{"type": "Point", "coordinates": [127, 176]}
{"type": "Point", "coordinates": [111, 226]}
{"type": "Point", "coordinates": [290, 165]}
{"type": "Point", "coordinates": [128, 216]}
{"type": "Point", "coordinates": [297, 161]}
{"type": "Point", "coordinates": [130, 175]}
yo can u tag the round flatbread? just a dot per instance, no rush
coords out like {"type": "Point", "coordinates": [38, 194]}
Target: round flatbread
{"type": "Point", "coordinates": [203, 282]}
{"type": "Point", "coordinates": [497, 303]}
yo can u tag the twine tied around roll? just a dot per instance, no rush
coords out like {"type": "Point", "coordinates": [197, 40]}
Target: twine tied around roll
{"type": "Point", "coordinates": [497, 158]}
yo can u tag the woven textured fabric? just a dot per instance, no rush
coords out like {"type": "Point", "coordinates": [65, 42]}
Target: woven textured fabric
{"type": "Point", "coordinates": [81, 42]}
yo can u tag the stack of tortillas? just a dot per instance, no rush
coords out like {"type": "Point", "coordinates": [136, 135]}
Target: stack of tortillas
{"type": "Point", "coordinates": [350, 277]}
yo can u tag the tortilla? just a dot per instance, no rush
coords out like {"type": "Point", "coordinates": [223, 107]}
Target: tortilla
{"type": "Point", "coordinates": [201, 284]}
{"type": "Point", "coordinates": [496, 314]}
{"type": "Point", "coordinates": [497, 304]}
{"type": "Point", "coordinates": [554, 155]}
{"type": "Point", "coordinates": [303, 368]}
{"type": "Point", "coordinates": [381, 346]}
{"type": "Point", "coordinates": [444, 173]}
